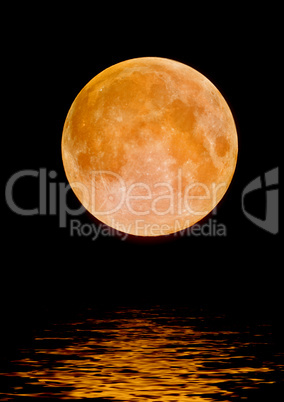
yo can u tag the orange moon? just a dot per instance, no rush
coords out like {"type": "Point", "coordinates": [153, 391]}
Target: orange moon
{"type": "Point", "coordinates": [149, 146]}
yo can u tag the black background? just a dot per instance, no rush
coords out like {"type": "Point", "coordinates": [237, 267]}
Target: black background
{"type": "Point", "coordinates": [50, 54]}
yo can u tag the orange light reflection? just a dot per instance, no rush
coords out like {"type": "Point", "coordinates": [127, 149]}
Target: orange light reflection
{"type": "Point", "coordinates": [137, 359]}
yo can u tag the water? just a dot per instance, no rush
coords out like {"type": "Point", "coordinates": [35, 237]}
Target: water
{"type": "Point", "coordinates": [154, 354]}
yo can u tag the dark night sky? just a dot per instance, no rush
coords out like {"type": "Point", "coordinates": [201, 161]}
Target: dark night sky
{"type": "Point", "coordinates": [48, 62]}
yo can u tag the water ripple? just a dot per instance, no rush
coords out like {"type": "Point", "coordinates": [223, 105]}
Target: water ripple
{"type": "Point", "coordinates": [144, 355]}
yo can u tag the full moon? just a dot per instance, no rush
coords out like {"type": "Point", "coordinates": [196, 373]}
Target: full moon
{"type": "Point", "coordinates": [149, 146]}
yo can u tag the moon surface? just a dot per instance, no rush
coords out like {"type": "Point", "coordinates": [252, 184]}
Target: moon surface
{"type": "Point", "coordinates": [149, 146]}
